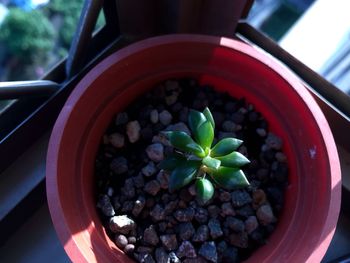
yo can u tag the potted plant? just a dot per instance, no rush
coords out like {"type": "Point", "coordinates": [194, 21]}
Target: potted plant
{"type": "Point", "coordinates": [312, 197]}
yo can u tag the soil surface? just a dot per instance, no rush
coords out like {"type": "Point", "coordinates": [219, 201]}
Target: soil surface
{"type": "Point", "coordinates": [151, 224]}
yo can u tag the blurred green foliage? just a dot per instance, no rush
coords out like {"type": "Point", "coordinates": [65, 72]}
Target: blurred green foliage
{"type": "Point", "coordinates": [27, 34]}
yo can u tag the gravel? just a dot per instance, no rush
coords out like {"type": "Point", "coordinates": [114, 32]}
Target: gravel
{"type": "Point", "coordinates": [149, 223]}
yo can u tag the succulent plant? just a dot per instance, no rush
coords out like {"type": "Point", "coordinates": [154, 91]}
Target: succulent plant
{"type": "Point", "coordinates": [196, 159]}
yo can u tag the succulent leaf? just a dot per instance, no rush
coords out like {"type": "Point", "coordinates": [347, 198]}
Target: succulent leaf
{"type": "Point", "coordinates": [209, 116]}
{"type": "Point", "coordinates": [183, 174]}
{"type": "Point", "coordinates": [173, 161]}
{"type": "Point", "coordinates": [195, 119]}
{"type": "Point", "coordinates": [234, 159]}
{"type": "Point", "coordinates": [184, 142]}
{"type": "Point", "coordinates": [205, 135]}
{"type": "Point", "coordinates": [211, 162]}
{"type": "Point", "coordinates": [229, 178]}
{"type": "Point", "coordinates": [204, 189]}
{"type": "Point", "coordinates": [225, 146]}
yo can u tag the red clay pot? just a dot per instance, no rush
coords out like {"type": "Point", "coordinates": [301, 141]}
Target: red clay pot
{"type": "Point", "coordinates": [309, 218]}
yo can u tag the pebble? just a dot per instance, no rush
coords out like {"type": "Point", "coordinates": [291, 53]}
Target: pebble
{"type": "Point", "coordinates": [274, 142]}
{"type": "Point", "coordinates": [133, 129]}
{"type": "Point", "coordinates": [239, 239]}
{"type": "Point", "coordinates": [259, 198]}
{"type": "Point", "coordinates": [117, 140]}
{"type": "Point", "coordinates": [122, 118]}
{"type": "Point", "coordinates": [152, 187]}
{"type": "Point", "coordinates": [145, 258]}
{"type": "Point", "coordinates": [208, 251]}
{"type": "Point", "coordinates": [246, 211]}
{"type": "Point", "coordinates": [121, 241]}
{"type": "Point", "coordinates": [234, 224]}
{"type": "Point", "coordinates": [201, 215]}
{"type": "Point", "coordinates": [228, 126]}
{"type": "Point", "coordinates": [150, 236]}
{"type": "Point", "coordinates": [119, 165]}
{"type": "Point", "coordinates": [261, 132]}
{"type": "Point", "coordinates": [165, 117]}
{"type": "Point", "coordinates": [116, 203]}
{"type": "Point", "coordinates": [154, 116]}
{"type": "Point", "coordinates": [128, 190]}
{"type": "Point", "coordinates": [155, 152]}
{"type": "Point", "coordinates": [131, 240]}
{"type": "Point", "coordinates": [104, 203]}
{"type": "Point", "coordinates": [157, 213]}
{"type": "Point", "coordinates": [139, 204]}
{"type": "Point", "coordinates": [251, 224]}
{"type": "Point", "coordinates": [149, 170]}
{"type": "Point", "coordinates": [174, 258]}
{"type": "Point", "coordinates": [138, 180]}
{"type": "Point", "coordinates": [185, 231]}
{"type": "Point", "coordinates": [215, 228]}
{"type": "Point", "coordinates": [227, 210]}
{"type": "Point", "coordinates": [240, 198]}
{"type": "Point", "coordinates": [265, 215]}
{"type": "Point", "coordinates": [163, 179]}
{"type": "Point", "coordinates": [202, 234]}
{"type": "Point", "coordinates": [170, 207]}
{"type": "Point", "coordinates": [238, 117]}
{"type": "Point", "coordinates": [121, 224]}
{"type": "Point", "coordinates": [180, 126]}
{"type": "Point", "coordinates": [169, 242]}
{"type": "Point", "coordinates": [280, 157]}
{"type": "Point", "coordinates": [213, 211]}
{"type": "Point", "coordinates": [129, 249]}
{"type": "Point", "coordinates": [110, 191]}
{"type": "Point", "coordinates": [127, 206]}
{"type": "Point", "coordinates": [171, 99]}
{"type": "Point", "coordinates": [224, 196]}
{"type": "Point", "coordinates": [161, 138]}
{"type": "Point", "coordinates": [187, 250]}
{"type": "Point", "coordinates": [161, 255]}
{"type": "Point", "coordinates": [184, 215]}
{"type": "Point", "coordinates": [144, 249]}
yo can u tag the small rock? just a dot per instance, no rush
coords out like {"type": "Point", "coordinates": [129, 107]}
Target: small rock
{"type": "Point", "coordinates": [261, 132]}
{"type": "Point", "coordinates": [161, 255]}
{"type": "Point", "coordinates": [259, 198]}
{"type": "Point", "coordinates": [121, 224]}
{"type": "Point", "coordinates": [169, 242]}
{"type": "Point", "coordinates": [213, 211]}
{"type": "Point", "coordinates": [161, 138]}
{"type": "Point", "coordinates": [234, 224]}
{"type": "Point", "coordinates": [228, 126]}
{"type": "Point", "coordinates": [129, 249]}
{"type": "Point", "coordinates": [280, 157]}
{"type": "Point", "coordinates": [215, 228]}
{"type": "Point", "coordinates": [227, 210]}
{"type": "Point", "coordinates": [154, 116]}
{"type": "Point", "coordinates": [157, 213]}
{"type": "Point", "coordinates": [127, 206]}
{"type": "Point", "coordinates": [230, 255]}
{"type": "Point", "coordinates": [133, 129]}
{"type": "Point", "coordinates": [265, 215]}
{"type": "Point", "coordinates": [184, 215]}
{"type": "Point", "coordinates": [251, 224]}
{"type": "Point", "coordinates": [119, 165]}
{"type": "Point", "coordinates": [155, 152]}
{"type": "Point", "coordinates": [246, 211]}
{"type": "Point", "coordinates": [138, 180]}
{"type": "Point", "coordinates": [165, 117]}
{"type": "Point", "coordinates": [180, 126]}
{"type": "Point", "coordinates": [202, 234]}
{"type": "Point", "coordinates": [192, 190]}
{"type": "Point", "coordinates": [170, 100]}
{"type": "Point", "coordinates": [240, 198]}
{"type": "Point", "coordinates": [174, 258]}
{"type": "Point", "coordinates": [117, 140]}
{"type": "Point", "coordinates": [144, 249]}
{"type": "Point", "coordinates": [149, 170]}
{"type": "Point", "coordinates": [221, 247]}
{"type": "Point", "coordinates": [110, 191]}
{"type": "Point", "coordinates": [187, 250]}
{"type": "Point", "coordinates": [225, 196]}
{"type": "Point", "coordinates": [139, 204]}
{"type": "Point", "coordinates": [150, 236]}
{"type": "Point", "coordinates": [163, 179]}
{"type": "Point", "coordinates": [201, 215]}
{"type": "Point", "coordinates": [121, 241]}
{"type": "Point", "coordinates": [239, 240]}
{"type": "Point", "coordinates": [116, 203]}
{"type": "Point", "coordinates": [128, 190]}
{"type": "Point", "coordinates": [104, 203]}
{"type": "Point", "coordinates": [170, 207]}
{"type": "Point", "coordinates": [145, 258]}
{"type": "Point", "coordinates": [131, 240]}
{"type": "Point", "coordinates": [238, 117]}
{"type": "Point", "coordinates": [152, 187]}
{"type": "Point", "coordinates": [122, 118]}
{"type": "Point", "coordinates": [274, 142]}
{"type": "Point", "coordinates": [185, 231]}
{"type": "Point", "coordinates": [208, 251]}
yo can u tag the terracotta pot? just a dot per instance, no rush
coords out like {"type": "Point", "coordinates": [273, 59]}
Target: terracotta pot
{"type": "Point", "coordinates": [312, 203]}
